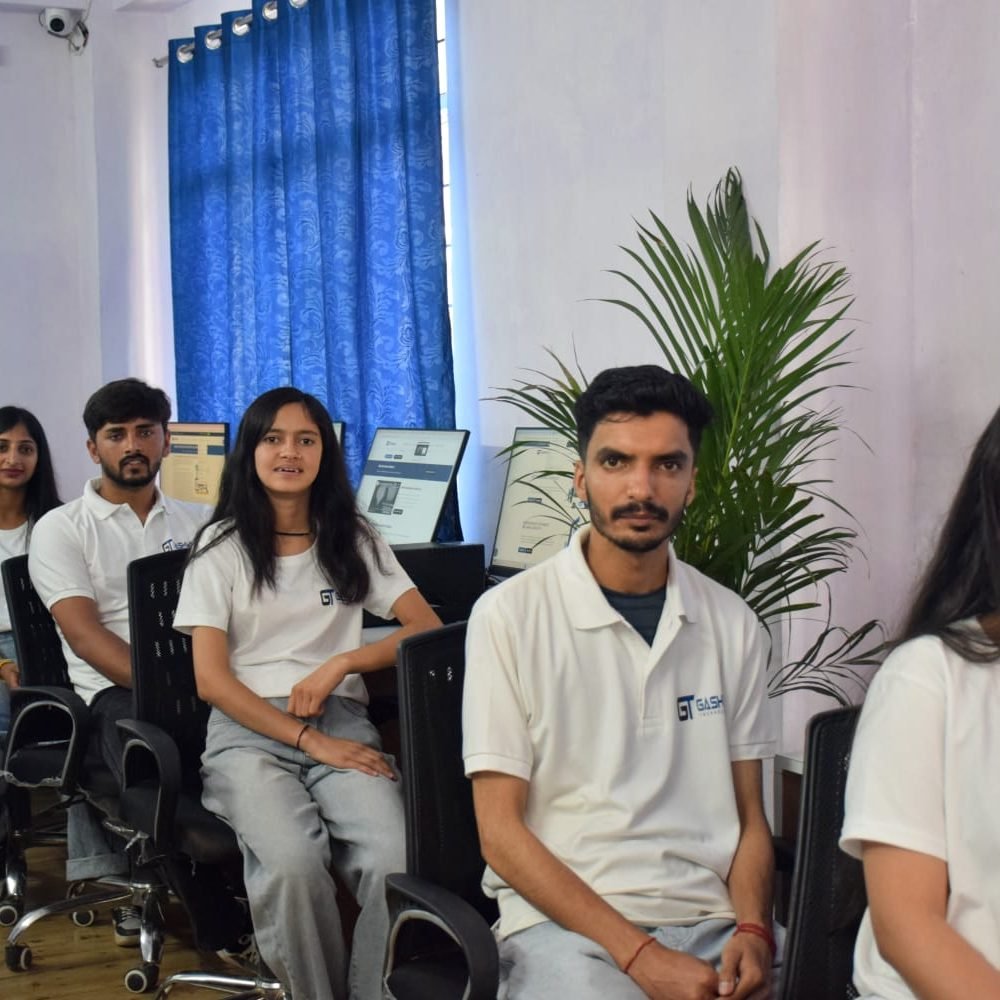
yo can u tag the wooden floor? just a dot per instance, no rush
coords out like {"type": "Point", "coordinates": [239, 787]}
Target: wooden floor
{"type": "Point", "coordinates": [77, 963]}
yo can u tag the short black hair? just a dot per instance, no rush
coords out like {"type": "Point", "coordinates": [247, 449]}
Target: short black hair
{"type": "Point", "coordinates": [123, 400]}
{"type": "Point", "coordinates": [641, 390]}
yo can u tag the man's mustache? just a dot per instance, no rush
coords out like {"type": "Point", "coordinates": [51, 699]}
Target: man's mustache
{"type": "Point", "coordinates": [647, 508]}
{"type": "Point", "coordinates": [133, 458]}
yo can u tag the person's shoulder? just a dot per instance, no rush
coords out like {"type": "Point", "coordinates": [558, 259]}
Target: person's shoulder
{"type": "Point", "coordinates": [197, 512]}
{"type": "Point", "coordinates": [710, 594]}
{"type": "Point", "coordinates": [58, 519]}
{"type": "Point", "coordinates": [525, 588]}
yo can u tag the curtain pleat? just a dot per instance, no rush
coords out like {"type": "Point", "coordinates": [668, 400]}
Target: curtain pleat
{"type": "Point", "coordinates": [307, 216]}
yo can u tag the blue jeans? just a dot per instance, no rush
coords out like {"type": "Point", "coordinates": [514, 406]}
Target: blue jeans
{"type": "Point", "coordinates": [546, 961]}
{"type": "Point", "coordinates": [295, 819]}
{"type": "Point", "coordinates": [7, 652]}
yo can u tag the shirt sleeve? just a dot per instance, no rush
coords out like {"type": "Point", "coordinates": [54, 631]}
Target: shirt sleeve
{"type": "Point", "coordinates": [752, 726]}
{"type": "Point", "coordinates": [56, 561]}
{"type": "Point", "coordinates": [895, 786]}
{"type": "Point", "coordinates": [494, 715]}
{"type": "Point", "coordinates": [386, 585]}
{"type": "Point", "coordinates": [207, 589]}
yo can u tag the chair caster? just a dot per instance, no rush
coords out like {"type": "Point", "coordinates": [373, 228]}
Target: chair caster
{"type": "Point", "coordinates": [83, 918]}
{"type": "Point", "coordinates": [18, 957]}
{"type": "Point", "coordinates": [142, 979]}
{"type": "Point", "coordinates": [10, 913]}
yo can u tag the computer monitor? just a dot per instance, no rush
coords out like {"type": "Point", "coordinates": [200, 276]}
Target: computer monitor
{"type": "Point", "coordinates": [539, 511]}
{"type": "Point", "coordinates": [406, 479]}
{"type": "Point", "coordinates": [193, 469]}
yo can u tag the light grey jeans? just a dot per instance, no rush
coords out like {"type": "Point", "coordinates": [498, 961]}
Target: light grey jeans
{"type": "Point", "coordinates": [547, 961]}
{"type": "Point", "coordinates": [294, 819]}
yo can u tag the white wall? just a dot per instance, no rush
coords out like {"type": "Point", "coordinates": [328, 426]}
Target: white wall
{"type": "Point", "coordinates": [572, 118]}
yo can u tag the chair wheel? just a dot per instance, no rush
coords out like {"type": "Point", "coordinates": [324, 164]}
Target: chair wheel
{"type": "Point", "coordinates": [143, 979]}
{"type": "Point", "coordinates": [83, 918]}
{"type": "Point", "coordinates": [10, 913]}
{"type": "Point", "coordinates": [18, 957]}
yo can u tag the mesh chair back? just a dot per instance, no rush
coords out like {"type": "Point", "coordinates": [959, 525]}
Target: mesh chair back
{"type": "Point", "coordinates": [828, 890]}
{"type": "Point", "coordinates": [163, 685]}
{"type": "Point", "coordinates": [442, 842]}
{"type": "Point", "coordinates": [40, 656]}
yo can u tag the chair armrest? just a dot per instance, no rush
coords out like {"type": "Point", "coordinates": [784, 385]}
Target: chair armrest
{"type": "Point", "coordinates": [48, 737]}
{"type": "Point", "coordinates": [151, 780]}
{"type": "Point", "coordinates": [413, 898]}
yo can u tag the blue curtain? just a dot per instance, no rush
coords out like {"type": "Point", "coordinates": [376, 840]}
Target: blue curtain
{"type": "Point", "coordinates": [307, 216]}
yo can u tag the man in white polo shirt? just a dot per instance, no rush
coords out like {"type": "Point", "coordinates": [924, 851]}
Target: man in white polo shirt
{"type": "Point", "coordinates": [78, 558]}
{"type": "Point", "coordinates": [615, 719]}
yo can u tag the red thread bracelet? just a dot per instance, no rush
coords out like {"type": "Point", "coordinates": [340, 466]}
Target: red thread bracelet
{"type": "Point", "coordinates": [759, 930]}
{"type": "Point", "coordinates": [302, 732]}
{"type": "Point", "coordinates": [635, 954]}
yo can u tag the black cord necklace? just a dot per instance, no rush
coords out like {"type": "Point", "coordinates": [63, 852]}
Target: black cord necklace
{"type": "Point", "coordinates": [293, 534]}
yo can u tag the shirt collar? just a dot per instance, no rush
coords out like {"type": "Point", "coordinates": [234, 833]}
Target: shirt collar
{"type": "Point", "coordinates": [104, 509]}
{"type": "Point", "coordinates": [589, 608]}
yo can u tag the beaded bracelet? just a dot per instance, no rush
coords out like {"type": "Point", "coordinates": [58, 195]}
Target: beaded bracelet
{"type": "Point", "coordinates": [759, 930]}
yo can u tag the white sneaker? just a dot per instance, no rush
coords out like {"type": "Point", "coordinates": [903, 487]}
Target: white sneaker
{"type": "Point", "coordinates": [243, 956]}
{"type": "Point", "coordinates": [126, 921]}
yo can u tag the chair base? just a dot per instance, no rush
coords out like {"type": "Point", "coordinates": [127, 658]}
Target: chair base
{"type": "Point", "coordinates": [238, 987]}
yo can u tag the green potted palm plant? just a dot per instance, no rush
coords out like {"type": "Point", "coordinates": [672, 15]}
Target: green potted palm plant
{"type": "Point", "coordinates": [763, 342]}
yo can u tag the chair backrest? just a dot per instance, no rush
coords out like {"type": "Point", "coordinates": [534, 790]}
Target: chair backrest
{"type": "Point", "coordinates": [442, 842]}
{"type": "Point", "coordinates": [163, 685]}
{"type": "Point", "coordinates": [828, 890]}
{"type": "Point", "coordinates": [40, 656]}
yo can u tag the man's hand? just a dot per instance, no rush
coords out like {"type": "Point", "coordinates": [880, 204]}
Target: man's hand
{"type": "Point", "coordinates": [663, 974]}
{"type": "Point", "coordinates": [10, 675]}
{"type": "Point", "coordinates": [346, 754]}
{"type": "Point", "coordinates": [308, 697]}
{"type": "Point", "coordinates": [745, 972]}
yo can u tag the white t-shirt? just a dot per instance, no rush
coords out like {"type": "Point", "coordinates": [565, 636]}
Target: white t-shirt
{"type": "Point", "coordinates": [925, 743]}
{"type": "Point", "coordinates": [278, 637]}
{"type": "Point", "coordinates": [628, 748]}
{"type": "Point", "coordinates": [13, 542]}
{"type": "Point", "coordinates": [83, 549]}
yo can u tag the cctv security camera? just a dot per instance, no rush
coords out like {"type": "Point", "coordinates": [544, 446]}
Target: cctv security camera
{"type": "Point", "coordinates": [59, 21]}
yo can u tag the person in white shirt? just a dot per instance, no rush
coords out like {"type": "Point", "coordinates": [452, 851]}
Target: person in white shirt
{"type": "Point", "coordinates": [27, 491]}
{"type": "Point", "coordinates": [614, 721]}
{"type": "Point", "coordinates": [920, 809]}
{"type": "Point", "coordinates": [273, 597]}
{"type": "Point", "coordinates": [78, 560]}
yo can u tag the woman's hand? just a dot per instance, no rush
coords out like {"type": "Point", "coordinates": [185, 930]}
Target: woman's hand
{"type": "Point", "coordinates": [308, 697]}
{"type": "Point", "coordinates": [345, 754]}
{"type": "Point", "coordinates": [10, 675]}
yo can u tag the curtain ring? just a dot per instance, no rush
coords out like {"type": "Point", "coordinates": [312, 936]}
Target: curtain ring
{"type": "Point", "coordinates": [185, 53]}
{"type": "Point", "coordinates": [298, 3]}
{"type": "Point", "coordinates": [241, 25]}
{"type": "Point", "coordinates": [270, 10]}
{"type": "Point", "coordinates": [213, 39]}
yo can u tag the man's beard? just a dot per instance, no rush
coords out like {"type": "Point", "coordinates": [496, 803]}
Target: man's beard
{"type": "Point", "coordinates": [645, 542]}
{"type": "Point", "coordinates": [133, 482]}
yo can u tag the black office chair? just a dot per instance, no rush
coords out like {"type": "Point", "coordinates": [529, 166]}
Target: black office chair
{"type": "Point", "coordinates": [828, 890]}
{"type": "Point", "coordinates": [161, 794]}
{"type": "Point", "coordinates": [440, 942]}
{"type": "Point", "coordinates": [46, 748]}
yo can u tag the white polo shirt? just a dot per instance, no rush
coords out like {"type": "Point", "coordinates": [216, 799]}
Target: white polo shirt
{"type": "Point", "coordinates": [628, 748]}
{"type": "Point", "coordinates": [278, 637]}
{"type": "Point", "coordinates": [13, 542]}
{"type": "Point", "coordinates": [925, 756]}
{"type": "Point", "coordinates": [83, 549]}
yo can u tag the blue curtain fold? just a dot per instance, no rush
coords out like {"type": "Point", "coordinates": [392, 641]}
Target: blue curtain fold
{"type": "Point", "coordinates": [307, 216]}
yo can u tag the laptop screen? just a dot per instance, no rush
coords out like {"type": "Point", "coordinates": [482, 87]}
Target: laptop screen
{"type": "Point", "coordinates": [406, 480]}
{"type": "Point", "coordinates": [539, 511]}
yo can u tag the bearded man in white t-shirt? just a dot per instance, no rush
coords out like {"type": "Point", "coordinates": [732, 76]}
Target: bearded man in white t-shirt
{"type": "Point", "coordinates": [78, 560]}
{"type": "Point", "coordinates": [615, 719]}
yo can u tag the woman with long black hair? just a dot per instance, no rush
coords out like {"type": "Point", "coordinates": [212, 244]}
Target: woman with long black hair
{"type": "Point", "coordinates": [273, 597]}
{"type": "Point", "coordinates": [27, 491]}
{"type": "Point", "coordinates": [922, 810]}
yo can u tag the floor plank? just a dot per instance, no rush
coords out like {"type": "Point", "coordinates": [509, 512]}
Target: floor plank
{"type": "Point", "coordinates": [83, 963]}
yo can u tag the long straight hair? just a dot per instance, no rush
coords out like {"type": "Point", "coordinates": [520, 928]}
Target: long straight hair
{"type": "Point", "coordinates": [40, 494]}
{"type": "Point", "coordinates": [962, 580]}
{"type": "Point", "coordinates": [340, 529]}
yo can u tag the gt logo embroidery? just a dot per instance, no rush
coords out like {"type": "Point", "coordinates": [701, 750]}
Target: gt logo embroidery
{"type": "Point", "coordinates": [328, 597]}
{"type": "Point", "coordinates": [690, 705]}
